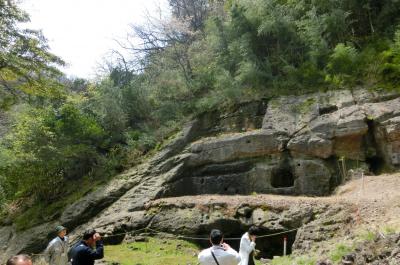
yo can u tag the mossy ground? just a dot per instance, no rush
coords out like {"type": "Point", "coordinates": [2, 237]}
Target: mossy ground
{"type": "Point", "coordinates": [156, 251]}
{"type": "Point", "coordinates": [42, 212]}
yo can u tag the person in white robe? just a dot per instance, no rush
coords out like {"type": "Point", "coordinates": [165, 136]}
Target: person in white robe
{"type": "Point", "coordinates": [247, 246]}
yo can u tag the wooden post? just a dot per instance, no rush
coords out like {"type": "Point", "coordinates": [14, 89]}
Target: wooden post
{"type": "Point", "coordinates": [284, 245]}
{"type": "Point", "coordinates": [363, 183]}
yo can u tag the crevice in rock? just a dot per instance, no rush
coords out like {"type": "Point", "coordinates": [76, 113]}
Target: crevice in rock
{"type": "Point", "coordinates": [354, 97]}
{"type": "Point", "coordinates": [283, 176]}
{"type": "Point", "coordinates": [373, 157]}
{"type": "Point", "coordinates": [327, 109]}
{"type": "Point", "coordinates": [336, 178]}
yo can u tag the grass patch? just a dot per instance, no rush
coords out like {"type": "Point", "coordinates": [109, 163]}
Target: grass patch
{"type": "Point", "coordinates": [289, 260]}
{"type": "Point", "coordinates": [156, 251]}
{"type": "Point", "coordinates": [388, 230]}
{"type": "Point", "coordinates": [339, 251]}
{"type": "Point", "coordinates": [367, 236]}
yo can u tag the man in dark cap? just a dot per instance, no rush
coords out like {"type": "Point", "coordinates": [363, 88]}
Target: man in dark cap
{"type": "Point", "coordinates": [56, 252]}
{"type": "Point", "coordinates": [88, 250]}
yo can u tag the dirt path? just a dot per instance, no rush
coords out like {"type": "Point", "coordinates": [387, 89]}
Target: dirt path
{"type": "Point", "coordinates": [377, 199]}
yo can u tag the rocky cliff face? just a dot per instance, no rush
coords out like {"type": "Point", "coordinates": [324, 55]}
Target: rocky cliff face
{"type": "Point", "coordinates": [302, 146]}
{"type": "Point", "coordinates": [289, 145]}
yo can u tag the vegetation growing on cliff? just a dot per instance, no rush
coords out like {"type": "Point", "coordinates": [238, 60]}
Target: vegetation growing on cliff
{"type": "Point", "coordinates": [207, 55]}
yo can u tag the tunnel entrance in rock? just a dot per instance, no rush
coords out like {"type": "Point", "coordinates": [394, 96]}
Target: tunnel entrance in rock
{"type": "Point", "coordinates": [282, 177]}
{"type": "Point", "coordinates": [375, 164]}
{"type": "Point", "coordinates": [373, 158]}
{"type": "Point", "coordinates": [273, 246]}
{"type": "Point", "coordinates": [267, 247]}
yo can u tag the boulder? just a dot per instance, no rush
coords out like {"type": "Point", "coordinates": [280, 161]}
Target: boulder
{"type": "Point", "coordinates": [237, 146]}
{"type": "Point", "coordinates": [351, 122]}
{"type": "Point", "coordinates": [312, 177]}
{"type": "Point", "coordinates": [327, 222]}
{"type": "Point", "coordinates": [311, 145]}
{"type": "Point", "coordinates": [287, 115]}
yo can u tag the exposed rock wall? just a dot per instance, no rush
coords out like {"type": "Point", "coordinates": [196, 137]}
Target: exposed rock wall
{"type": "Point", "coordinates": [289, 145]}
{"type": "Point", "coordinates": [304, 146]}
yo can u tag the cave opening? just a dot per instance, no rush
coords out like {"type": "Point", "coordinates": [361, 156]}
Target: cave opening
{"type": "Point", "coordinates": [270, 247]}
{"type": "Point", "coordinates": [282, 178]}
{"type": "Point", "coordinates": [267, 247]}
{"type": "Point", "coordinates": [374, 159]}
{"type": "Point", "coordinates": [376, 164]}
{"type": "Point", "coordinates": [327, 109]}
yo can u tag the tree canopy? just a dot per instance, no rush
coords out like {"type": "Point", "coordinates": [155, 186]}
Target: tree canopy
{"type": "Point", "coordinates": [26, 65]}
{"type": "Point", "coordinates": [206, 55]}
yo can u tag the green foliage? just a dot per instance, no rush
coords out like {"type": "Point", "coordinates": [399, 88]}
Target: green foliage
{"type": "Point", "coordinates": [105, 102]}
{"type": "Point", "coordinates": [248, 49]}
{"type": "Point", "coordinates": [367, 236]}
{"type": "Point", "coordinates": [47, 146]}
{"type": "Point", "coordinates": [343, 64]}
{"type": "Point", "coordinates": [26, 65]}
{"type": "Point", "coordinates": [338, 252]}
{"type": "Point", "coordinates": [390, 70]}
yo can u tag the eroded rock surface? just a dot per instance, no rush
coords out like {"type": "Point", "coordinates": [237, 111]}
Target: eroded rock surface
{"type": "Point", "coordinates": [308, 220]}
{"type": "Point", "coordinates": [301, 145]}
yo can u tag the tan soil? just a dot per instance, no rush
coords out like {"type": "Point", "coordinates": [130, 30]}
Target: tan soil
{"type": "Point", "coordinates": [376, 200]}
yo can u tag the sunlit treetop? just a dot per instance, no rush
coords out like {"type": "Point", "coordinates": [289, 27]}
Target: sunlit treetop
{"type": "Point", "coordinates": [26, 65]}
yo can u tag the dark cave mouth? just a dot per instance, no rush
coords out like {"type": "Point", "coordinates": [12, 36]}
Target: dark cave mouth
{"type": "Point", "coordinates": [267, 247]}
{"type": "Point", "coordinates": [282, 178]}
{"type": "Point", "coordinates": [376, 164]}
{"type": "Point", "coordinates": [270, 247]}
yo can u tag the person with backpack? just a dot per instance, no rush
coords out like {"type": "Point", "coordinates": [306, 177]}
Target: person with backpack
{"type": "Point", "coordinates": [219, 253]}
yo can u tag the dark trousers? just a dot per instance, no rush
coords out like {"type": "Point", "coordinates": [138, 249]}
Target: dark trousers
{"type": "Point", "coordinates": [251, 258]}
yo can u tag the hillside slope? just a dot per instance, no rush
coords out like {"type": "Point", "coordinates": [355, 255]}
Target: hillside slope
{"type": "Point", "coordinates": [304, 146]}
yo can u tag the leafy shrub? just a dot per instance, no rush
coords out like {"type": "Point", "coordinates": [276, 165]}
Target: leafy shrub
{"type": "Point", "coordinates": [343, 65]}
{"type": "Point", "coordinates": [390, 70]}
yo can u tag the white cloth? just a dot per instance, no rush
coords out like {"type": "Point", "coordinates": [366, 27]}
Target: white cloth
{"type": "Point", "coordinates": [246, 247]}
{"type": "Point", "coordinates": [224, 257]}
{"type": "Point", "coordinates": [57, 251]}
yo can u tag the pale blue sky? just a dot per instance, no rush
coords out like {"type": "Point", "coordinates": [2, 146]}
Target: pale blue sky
{"type": "Point", "coordinates": [83, 31]}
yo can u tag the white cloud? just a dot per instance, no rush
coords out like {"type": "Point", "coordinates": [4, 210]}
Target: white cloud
{"type": "Point", "coordinates": [83, 31]}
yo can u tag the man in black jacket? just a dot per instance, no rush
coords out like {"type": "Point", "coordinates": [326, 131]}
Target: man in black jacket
{"type": "Point", "coordinates": [88, 250]}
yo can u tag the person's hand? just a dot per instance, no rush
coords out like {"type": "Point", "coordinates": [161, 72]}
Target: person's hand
{"type": "Point", "coordinates": [96, 237]}
{"type": "Point", "coordinates": [225, 246]}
